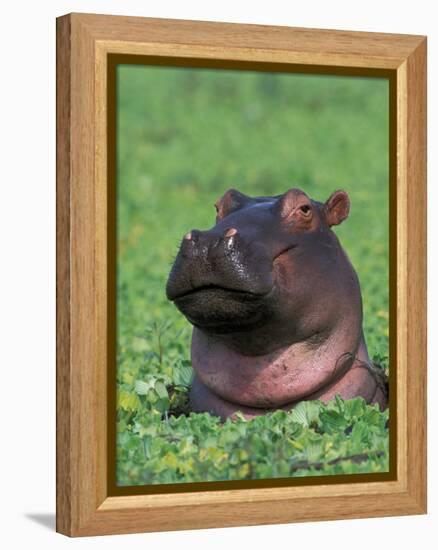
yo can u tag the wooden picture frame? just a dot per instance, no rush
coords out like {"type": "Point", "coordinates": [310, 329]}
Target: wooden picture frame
{"type": "Point", "coordinates": [85, 506]}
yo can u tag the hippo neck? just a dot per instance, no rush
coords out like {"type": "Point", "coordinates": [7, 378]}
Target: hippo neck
{"type": "Point", "coordinates": [287, 374]}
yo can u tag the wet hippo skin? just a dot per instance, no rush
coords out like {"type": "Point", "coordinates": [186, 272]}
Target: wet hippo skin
{"type": "Point", "coordinates": [275, 304]}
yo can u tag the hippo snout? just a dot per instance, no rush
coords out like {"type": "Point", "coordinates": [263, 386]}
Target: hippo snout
{"type": "Point", "coordinates": [218, 260]}
{"type": "Point", "coordinates": [219, 279]}
{"type": "Point", "coordinates": [209, 246]}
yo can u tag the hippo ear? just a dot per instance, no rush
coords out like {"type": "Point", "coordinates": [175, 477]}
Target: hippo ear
{"type": "Point", "coordinates": [337, 208]}
{"type": "Point", "coordinates": [232, 200]}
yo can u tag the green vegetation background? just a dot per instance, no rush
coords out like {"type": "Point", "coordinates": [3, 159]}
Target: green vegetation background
{"type": "Point", "coordinates": [184, 137]}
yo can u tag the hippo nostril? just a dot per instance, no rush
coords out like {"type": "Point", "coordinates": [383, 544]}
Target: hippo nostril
{"type": "Point", "coordinates": [193, 235]}
{"type": "Point", "coordinates": [229, 237]}
{"type": "Point", "coordinates": [230, 232]}
{"type": "Point", "coordinates": [190, 243]}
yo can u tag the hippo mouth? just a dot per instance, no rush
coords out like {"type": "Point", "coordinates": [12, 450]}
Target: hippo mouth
{"type": "Point", "coordinates": [213, 288]}
{"type": "Point", "coordinates": [222, 310]}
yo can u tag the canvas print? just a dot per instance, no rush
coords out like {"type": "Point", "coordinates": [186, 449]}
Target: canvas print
{"type": "Point", "coordinates": [252, 245]}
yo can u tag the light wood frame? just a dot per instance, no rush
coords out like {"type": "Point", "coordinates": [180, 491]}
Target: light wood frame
{"type": "Point", "coordinates": [83, 44]}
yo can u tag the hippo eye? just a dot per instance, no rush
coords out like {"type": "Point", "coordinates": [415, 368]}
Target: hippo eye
{"type": "Point", "coordinates": [305, 209]}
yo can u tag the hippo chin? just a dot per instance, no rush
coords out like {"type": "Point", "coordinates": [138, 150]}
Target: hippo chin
{"type": "Point", "coordinates": [276, 307]}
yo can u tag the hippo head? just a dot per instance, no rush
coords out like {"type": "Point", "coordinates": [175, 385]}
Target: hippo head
{"type": "Point", "coordinates": [261, 276]}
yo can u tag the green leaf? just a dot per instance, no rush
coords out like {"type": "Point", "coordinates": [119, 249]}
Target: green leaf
{"type": "Point", "coordinates": [162, 404]}
{"type": "Point", "coordinates": [354, 408]}
{"type": "Point", "coordinates": [128, 401]}
{"type": "Point", "coordinates": [161, 390]}
{"type": "Point", "coordinates": [306, 412]}
{"type": "Point", "coordinates": [142, 387]}
{"type": "Point", "coordinates": [332, 420]}
{"type": "Point", "coordinates": [183, 374]}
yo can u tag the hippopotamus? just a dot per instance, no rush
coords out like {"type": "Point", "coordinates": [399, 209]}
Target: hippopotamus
{"type": "Point", "coordinates": [275, 305]}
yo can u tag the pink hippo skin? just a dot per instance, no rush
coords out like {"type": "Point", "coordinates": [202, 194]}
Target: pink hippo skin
{"type": "Point", "coordinates": [276, 307]}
